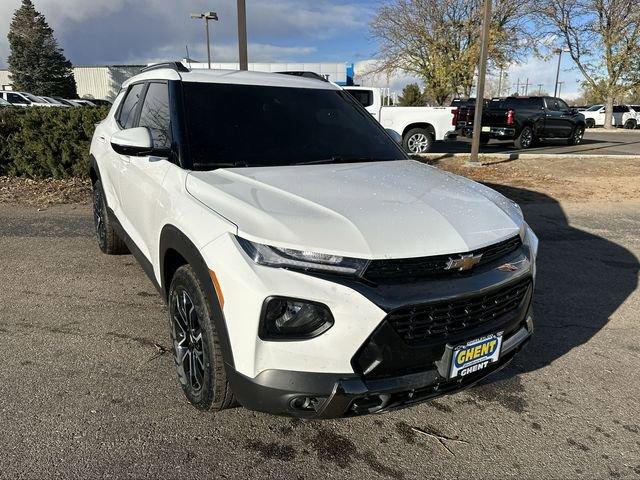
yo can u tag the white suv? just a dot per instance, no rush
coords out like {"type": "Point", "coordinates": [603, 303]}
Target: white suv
{"type": "Point", "coordinates": [309, 267]}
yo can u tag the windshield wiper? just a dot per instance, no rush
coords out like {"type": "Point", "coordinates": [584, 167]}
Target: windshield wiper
{"type": "Point", "coordinates": [339, 159]}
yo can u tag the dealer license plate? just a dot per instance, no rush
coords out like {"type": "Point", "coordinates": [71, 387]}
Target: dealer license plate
{"type": "Point", "coordinates": [475, 355]}
{"type": "Point", "coordinates": [486, 129]}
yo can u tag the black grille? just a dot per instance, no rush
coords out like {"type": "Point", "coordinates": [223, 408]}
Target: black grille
{"type": "Point", "coordinates": [406, 269]}
{"type": "Point", "coordinates": [432, 321]}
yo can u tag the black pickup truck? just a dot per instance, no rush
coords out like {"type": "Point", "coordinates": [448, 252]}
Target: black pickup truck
{"type": "Point", "coordinates": [524, 120]}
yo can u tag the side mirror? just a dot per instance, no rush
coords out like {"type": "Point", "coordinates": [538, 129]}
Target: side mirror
{"type": "Point", "coordinates": [395, 135]}
{"type": "Point", "coordinates": [136, 142]}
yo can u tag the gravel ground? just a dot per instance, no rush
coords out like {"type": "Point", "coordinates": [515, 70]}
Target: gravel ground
{"type": "Point", "coordinates": [85, 390]}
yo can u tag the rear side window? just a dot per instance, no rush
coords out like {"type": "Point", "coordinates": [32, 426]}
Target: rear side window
{"type": "Point", "coordinates": [532, 103]}
{"type": "Point", "coordinates": [620, 109]}
{"type": "Point", "coordinates": [17, 99]}
{"type": "Point", "coordinates": [363, 97]}
{"type": "Point", "coordinates": [127, 114]}
{"type": "Point", "coordinates": [155, 114]}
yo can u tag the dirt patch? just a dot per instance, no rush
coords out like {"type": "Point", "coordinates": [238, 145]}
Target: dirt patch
{"type": "Point", "coordinates": [570, 179]}
{"type": "Point", "coordinates": [42, 193]}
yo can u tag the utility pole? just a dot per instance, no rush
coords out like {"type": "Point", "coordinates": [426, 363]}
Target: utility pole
{"type": "Point", "coordinates": [526, 87]}
{"type": "Point", "coordinates": [518, 86]}
{"type": "Point", "coordinates": [559, 88]}
{"type": "Point", "coordinates": [206, 16]}
{"type": "Point", "coordinates": [482, 70]}
{"type": "Point", "coordinates": [540, 88]}
{"type": "Point", "coordinates": [242, 35]}
{"type": "Point", "coordinates": [500, 83]}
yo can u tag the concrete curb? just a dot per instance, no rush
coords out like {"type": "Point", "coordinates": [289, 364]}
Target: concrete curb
{"type": "Point", "coordinates": [528, 156]}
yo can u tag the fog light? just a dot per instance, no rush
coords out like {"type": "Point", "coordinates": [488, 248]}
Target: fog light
{"type": "Point", "coordinates": [290, 318]}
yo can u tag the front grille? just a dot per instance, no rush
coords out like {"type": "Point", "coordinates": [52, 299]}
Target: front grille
{"type": "Point", "coordinates": [433, 321]}
{"type": "Point", "coordinates": [407, 269]}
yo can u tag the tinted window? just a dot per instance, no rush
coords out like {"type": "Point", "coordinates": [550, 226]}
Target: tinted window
{"type": "Point", "coordinates": [533, 103]}
{"type": "Point", "coordinates": [246, 125]}
{"type": "Point", "coordinates": [127, 115]}
{"type": "Point", "coordinates": [155, 114]}
{"type": "Point", "coordinates": [363, 97]}
{"type": "Point", "coordinates": [555, 105]}
{"type": "Point", "coordinates": [594, 108]}
{"type": "Point", "coordinates": [562, 104]}
{"type": "Point", "coordinates": [620, 109]}
{"type": "Point", "coordinates": [18, 99]}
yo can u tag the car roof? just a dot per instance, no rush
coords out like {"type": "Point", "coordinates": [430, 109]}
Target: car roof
{"type": "Point", "coordinates": [239, 77]}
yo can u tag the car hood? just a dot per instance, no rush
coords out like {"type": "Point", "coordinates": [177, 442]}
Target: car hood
{"type": "Point", "coordinates": [369, 210]}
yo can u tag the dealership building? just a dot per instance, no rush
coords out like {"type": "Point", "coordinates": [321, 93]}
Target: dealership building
{"type": "Point", "coordinates": [104, 81]}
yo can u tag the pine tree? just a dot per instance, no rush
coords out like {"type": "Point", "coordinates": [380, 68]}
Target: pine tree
{"type": "Point", "coordinates": [36, 62]}
{"type": "Point", "coordinates": [411, 96]}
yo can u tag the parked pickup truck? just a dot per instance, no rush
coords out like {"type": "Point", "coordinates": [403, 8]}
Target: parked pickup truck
{"type": "Point", "coordinates": [525, 120]}
{"type": "Point", "coordinates": [419, 127]}
{"type": "Point", "coordinates": [626, 116]}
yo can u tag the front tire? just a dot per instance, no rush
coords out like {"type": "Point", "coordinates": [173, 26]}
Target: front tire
{"type": "Point", "coordinates": [196, 347]}
{"type": "Point", "coordinates": [418, 140]}
{"type": "Point", "coordinates": [108, 240]}
{"type": "Point", "coordinates": [525, 139]}
{"type": "Point", "coordinates": [576, 136]}
{"type": "Point", "coordinates": [590, 123]}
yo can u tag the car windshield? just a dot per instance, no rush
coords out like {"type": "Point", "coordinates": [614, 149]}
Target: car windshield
{"type": "Point", "coordinates": [33, 98]}
{"type": "Point", "coordinates": [593, 108]}
{"type": "Point", "coordinates": [248, 125]}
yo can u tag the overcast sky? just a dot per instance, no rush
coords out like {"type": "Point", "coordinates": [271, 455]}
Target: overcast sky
{"type": "Point", "coordinates": [96, 32]}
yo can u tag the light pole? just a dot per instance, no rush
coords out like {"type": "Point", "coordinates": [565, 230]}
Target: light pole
{"type": "Point", "coordinates": [242, 35]}
{"type": "Point", "coordinates": [206, 16]}
{"type": "Point", "coordinates": [559, 52]}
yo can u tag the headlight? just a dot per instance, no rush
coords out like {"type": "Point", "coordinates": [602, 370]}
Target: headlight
{"type": "Point", "coordinates": [301, 259]}
{"type": "Point", "coordinates": [290, 318]}
{"type": "Point", "coordinates": [531, 239]}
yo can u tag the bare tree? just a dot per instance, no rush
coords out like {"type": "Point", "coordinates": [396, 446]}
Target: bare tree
{"type": "Point", "coordinates": [439, 40]}
{"type": "Point", "coordinates": [603, 39]}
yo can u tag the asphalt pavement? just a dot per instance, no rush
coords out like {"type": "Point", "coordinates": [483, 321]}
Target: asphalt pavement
{"type": "Point", "coordinates": [86, 390]}
{"type": "Point", "coordinates": [596, 141]}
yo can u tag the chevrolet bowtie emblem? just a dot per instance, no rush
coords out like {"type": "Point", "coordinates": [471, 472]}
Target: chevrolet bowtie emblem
{"type": "Point", "coordinates": [463, 262]}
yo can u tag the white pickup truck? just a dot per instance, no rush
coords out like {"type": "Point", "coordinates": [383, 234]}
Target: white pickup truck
{"type": "Point", "coordinates": [623, 116]}
{"type": "Point", "coordinates": [419, 127]}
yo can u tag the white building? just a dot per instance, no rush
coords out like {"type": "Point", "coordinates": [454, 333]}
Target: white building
{"type": "Point", "coordinates": [104, 81]}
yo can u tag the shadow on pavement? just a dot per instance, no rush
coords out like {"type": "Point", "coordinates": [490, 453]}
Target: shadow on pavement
{"type": "Point", "coordinates": [582, 280]}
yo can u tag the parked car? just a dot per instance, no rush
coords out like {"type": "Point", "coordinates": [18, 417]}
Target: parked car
{"type": "Point", "coordinates": [623, 116]}
{"type": "Point", "coordinates": [418, 127]}
{"type": "Point", "coordinates": [66, 102]}
{"type": "Point", "coordinates": [526, 120]}
{"type": "Point", "coordinates": [56, 103]}
{"type": "Point", "coordinates": [4, 103]}
{"type": "Point", "coordinates": [100, 102]}
{"type": "Point", "coordinates": [310, 268]}
{"type": "Point", "coordinates": [23, 99]}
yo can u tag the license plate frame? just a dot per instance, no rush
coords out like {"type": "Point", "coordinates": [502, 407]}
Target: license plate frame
{"type": "Point", "coordinates": [475, 355]}
{"type": "Point", "coordinates": [486, 129]}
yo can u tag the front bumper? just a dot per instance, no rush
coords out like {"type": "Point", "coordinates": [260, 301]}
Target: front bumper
{"type": "Point", "coordinates": [326, 395]}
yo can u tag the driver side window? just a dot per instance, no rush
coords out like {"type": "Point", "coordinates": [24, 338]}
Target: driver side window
{"type": "Point", "coordinates": [155, 114]}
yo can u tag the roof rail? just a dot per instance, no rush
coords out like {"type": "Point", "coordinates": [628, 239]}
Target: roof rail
{"type": "Point", "coordinates": [304, 74]}
{"type": "Point", "coordinates": [177, 66]}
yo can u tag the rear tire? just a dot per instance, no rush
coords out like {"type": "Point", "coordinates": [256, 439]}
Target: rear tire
{"type": "Point", "coordinates": [196, 346]}
{"type": "Point", "coordinates": [418, 140]}
{"type": "Point", "coordinates": [576, 136]}
{"type": "Point", "coordinates": [590, 123]}
{"type": "Point", "coordinates": [630, 124]}
{"type": "Point", "coordinates": [484, 139]}
{"type": "Point", "coordinates": [525, 139]}
{"type": "Point", "coordinates": [108, 240]}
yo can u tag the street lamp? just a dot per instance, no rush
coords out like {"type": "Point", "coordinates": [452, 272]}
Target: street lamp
{"type": "Point", "coordinates": [206, 16]}
{"type": "Point", "coordinates": [559, 52]}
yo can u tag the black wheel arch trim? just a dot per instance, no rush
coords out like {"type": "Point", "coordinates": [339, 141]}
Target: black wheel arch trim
{"type": "Point", "coordinates": [94, 170]}
{"type": "Point", "coordinates": [172, 238]}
